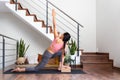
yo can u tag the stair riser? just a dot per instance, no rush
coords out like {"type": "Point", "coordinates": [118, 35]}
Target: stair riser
{"type": "Point", "coordinates": [98, 66]}
{"type": "Point", "coordinates": [38, 24]}
{"type": "Point", "coordinates": [94, 58]}
{"type": "Point", "coordinates": [22, 12]}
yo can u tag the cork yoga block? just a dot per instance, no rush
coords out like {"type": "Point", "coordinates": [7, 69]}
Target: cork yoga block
{"type": "Point", "coordinates": [66, 69]}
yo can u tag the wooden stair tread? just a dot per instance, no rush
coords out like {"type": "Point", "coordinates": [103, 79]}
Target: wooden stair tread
{"type": "Point", "coordinates": [94, 55]}
{"type": "Point", "coordinates": [97, 62]}
{"type": "Point", "coordinates": [23, 9]}
{"type": "Point", "coordinates": [39, 21]}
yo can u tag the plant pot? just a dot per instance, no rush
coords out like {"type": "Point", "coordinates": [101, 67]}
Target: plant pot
{"type": "Point", "coordinates": [21, 60]}
{"type": "Point", "coordinates": [73, 57]}
{"type": "Point", "coordinates": [67, 64]}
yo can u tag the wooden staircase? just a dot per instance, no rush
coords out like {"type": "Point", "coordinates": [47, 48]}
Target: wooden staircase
{"type": "Point", "coordinates": [96, 60]}
{"type": "Point", "coordinates": [34, 15]}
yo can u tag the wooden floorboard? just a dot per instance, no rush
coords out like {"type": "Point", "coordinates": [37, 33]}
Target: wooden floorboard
{"type": "Point", "coordinates": [90, 75]}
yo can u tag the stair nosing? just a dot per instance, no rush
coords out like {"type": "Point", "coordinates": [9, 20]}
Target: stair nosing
{"type": "Point", "coordinates": [95, 55]}
{"type": "Point", "coordinates": [95, 62]}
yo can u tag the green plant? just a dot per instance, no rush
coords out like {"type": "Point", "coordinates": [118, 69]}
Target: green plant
{"type": "Point", "coordinates": [67, 59]}
{"type": "Point", "coordinates": [72, 46]}
{"type": "Point", "coordinates": [22, 48]}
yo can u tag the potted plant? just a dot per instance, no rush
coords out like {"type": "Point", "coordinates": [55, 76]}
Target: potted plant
{"type": "Point", "coordinates": [68, 60]}
{"type": "Point", "coordinates": [22, 48]}
{"type": "Point", "coordinates": [72, 47]}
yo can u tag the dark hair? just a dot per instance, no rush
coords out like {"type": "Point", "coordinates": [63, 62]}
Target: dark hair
{"type": "Point", "coordinates": [66, 38]}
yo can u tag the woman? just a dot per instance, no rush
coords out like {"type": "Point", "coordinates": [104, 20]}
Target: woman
{"type": "Point", "coordinates": [57, 48]}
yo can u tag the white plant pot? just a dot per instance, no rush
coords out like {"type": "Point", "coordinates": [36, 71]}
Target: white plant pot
{"type": "Point", "coordinates": [73, 57]}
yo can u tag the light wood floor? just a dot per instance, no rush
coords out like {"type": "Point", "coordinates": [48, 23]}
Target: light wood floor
{"type": "Point", "coordinates": [90, 75]}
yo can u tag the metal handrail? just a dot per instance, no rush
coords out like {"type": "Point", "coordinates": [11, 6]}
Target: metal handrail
{"type": "Point", "coordinates": [3, 50]}
{"type": "Point", "coordinates": [8, 37]}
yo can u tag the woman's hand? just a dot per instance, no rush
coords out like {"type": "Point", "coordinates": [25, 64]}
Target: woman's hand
{"type": "Point", "coordinates": [53, 12]}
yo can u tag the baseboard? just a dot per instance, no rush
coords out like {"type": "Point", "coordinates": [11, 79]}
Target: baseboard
{"type": "Point", "coordinates": [117, 68]}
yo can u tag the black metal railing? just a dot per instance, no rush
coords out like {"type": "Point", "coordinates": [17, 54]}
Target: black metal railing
{"type": "Point", "coordinates": [67, 22]}
{"type": "Point", "coordinates": [8, 46]}
{"type": "Point", "coordinates": [16, 6]}
{"type": "Point", "coordinates": [47, 16]}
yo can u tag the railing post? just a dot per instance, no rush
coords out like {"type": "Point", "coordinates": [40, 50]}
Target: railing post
{"type": "Point", "coordinates": [46, 16]}
{"type": "Point", "coordinates": [3, 55]}
{"type": "Point", "coordinates": [17, 50]}
{"type": "Point", "coordinates": [16, 5]}
{"type": "Point", "coordinates": [77, 39]}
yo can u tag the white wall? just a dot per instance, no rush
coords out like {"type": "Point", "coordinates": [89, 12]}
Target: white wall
{"type": "Point", "coordinates": [108, 28]}
{"type": "Point", "coordinates": [10, 25]}
{"type": "Point", "coordinates": [84, 11]}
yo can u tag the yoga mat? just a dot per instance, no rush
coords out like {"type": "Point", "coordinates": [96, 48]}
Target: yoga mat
{"type": "Point", "coordinates": [46, 71]}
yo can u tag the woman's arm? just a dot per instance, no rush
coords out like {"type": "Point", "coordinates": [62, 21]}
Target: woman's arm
{"type": "Point", "coordinates": [54, 23]}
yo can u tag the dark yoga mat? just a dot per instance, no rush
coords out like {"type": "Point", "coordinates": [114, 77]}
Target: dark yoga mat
{"type": "Point", "coordinates": [46, 71]}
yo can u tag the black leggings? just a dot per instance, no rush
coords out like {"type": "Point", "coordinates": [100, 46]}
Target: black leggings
{"type": "Point", "coordinates": [45, 58]}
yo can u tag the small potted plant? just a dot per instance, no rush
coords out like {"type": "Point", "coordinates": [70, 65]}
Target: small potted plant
{"type": "Point", "coordinates": [72, 47]}
{"type": "Point", "coordinates": [68, 60]}
{"type": "Point", "coordinates": [22, 48]}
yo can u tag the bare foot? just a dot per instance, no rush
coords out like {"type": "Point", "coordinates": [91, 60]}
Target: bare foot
{"type": "Point", "coordinates": [18, 70]}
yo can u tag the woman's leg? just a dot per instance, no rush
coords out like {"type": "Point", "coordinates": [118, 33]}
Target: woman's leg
{"type": "Point", "coordinates": [44, 61]}
{"type": "Point", "coordinates": [58, 54]}
{"type": "Point", "coordinates": [45, 58]}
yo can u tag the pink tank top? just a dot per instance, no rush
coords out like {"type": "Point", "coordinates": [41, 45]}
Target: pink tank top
{"type": "Point", "coordinates": [56, 46]}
